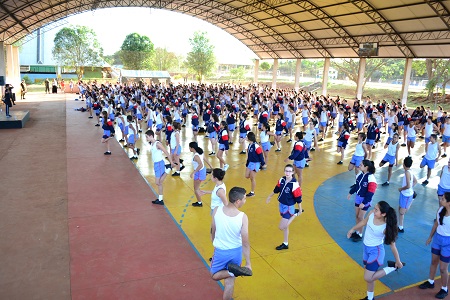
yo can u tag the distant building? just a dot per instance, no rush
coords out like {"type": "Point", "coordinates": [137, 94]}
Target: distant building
{"type": "Point", "coordinates": [332, 73]}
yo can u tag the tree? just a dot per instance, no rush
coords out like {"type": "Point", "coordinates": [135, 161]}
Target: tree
{"type": "Point", "coordinates": [438, 74]}
{"type": "Point", "coordinates": [350, 68]}
{"type": "Point", "coordinates": [136, 52]}
{"type": "Point", "coordinates": [77, 47]}
{"type": "Point", "coordinates": [114, 59]}
{"type": "Point", "coordinates": [201, 59]}
{"type": "Point", "coordinates": [265, 66]}
{"type": "Point", "coordinates": [237, 73]}
{"type": "Point", "coordinates": [164, 60]}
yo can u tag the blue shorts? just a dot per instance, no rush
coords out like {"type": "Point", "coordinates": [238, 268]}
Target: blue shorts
{"type": "Point", "coordinates": [441, 246]}
{"type": "Point", "coordinates": [242, 135]}
{"type": "Point", "coordinates": [254, 166]}
{"type": "Point", "coordinates": [400, 123]}
{"type": "Point", "coordinates": [231, 127]}
{"type": "Point", "coordinates": [159, 168]}
{"type": "Point", "coordinates": [150, 123]}
{"type": "Point", "coordinates": [370, 142]}
{"type": "Point", "coordinates": [97, 112]}
{"type": "Point", "coordinates": [356, 160]}
{"type": "Point", "coordinates": [317, 129]}
{"type": "Point", "coordinates": [195, 128]}
{"type": "Point", "coordinates": [177, 149]}
{"type": "Point", "coordinates": [441, 190]}
{"type": "Point", "coordinates": [333, 115]}
{"type": "Point", "coordinates": [445, 139]}
{"type": "Point", "coordinates": [139, 117]}
{"type": "Point", "coordinates": [131, 139]}
{"type": "Point", "coordinates": [359, 200]}
{"type": "Point", "coordinates": [307, 144]}
{"type": "Point", "coordinates": [429, 163]}
{"type": "Point", "coordinates": [341, 144]}
{"type": "Point", "coordinates": [341, 124]}
{"type": "Point", "coordinates": [427, 140]}
{"type": "Point", "coordinates": [121, 126]}
{"type": "Point", "coordinates": [212, 135]}
{"type": "Point", "coordinates": [111, 117]}
{"type": "Point", "coordinates": [224, 147]}
{"type": "Point", "coordinates": [359, 125]}
{"type": "Point", "coordinates": [288, 125]}
{"type": "Point", "coordinates": [200, 175]}
{"type": "Point", "coordinates": [300, 163]}
{"type": "Point", "coordinates": [158, 127]}
{"type": "Point", "coordinates": [373, 257]}
{"type": "Point", "coordinates": [305, 120]}
{"type": "Point", "coordinates": [405, 201]}
{"type": "Point", "coordinates": [286, 212]}
{"type": "Point", "coordinates": [266, 146]}
{"type": "Point", "coordinates": [106, 134]}
{"type": "Point", "coordinates": [221, 259]}
{"type": "Point", "coordinates": [411, 139]}
{"type": "Point", "coordinates": [323, 124]}
{"type": "Point", "coordinates": [278, 133]}
{"type": "Point", "coordinates": [390, 159]}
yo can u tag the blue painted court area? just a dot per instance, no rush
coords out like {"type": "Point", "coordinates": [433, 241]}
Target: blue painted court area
{"type": "Point", "coordinates": [336, 214]}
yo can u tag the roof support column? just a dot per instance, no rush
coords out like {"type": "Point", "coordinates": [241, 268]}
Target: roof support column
{"type": "Point", "coordinates": [2, 62]}
{"type": "Point", "coordinates": [256, 72]}
{"type": "Point", "coordinates": [298, 65]}
{"type": "Point", "coordinates": [361, 71]}
{"type": "Point", "coordinates": [16, 64]}
{"type": "Point", "coordinates": [326, 68]}
{"type": "Point", "coordinates": [406, 80]}
{"type": "Point", "coordinates": [274, 74]}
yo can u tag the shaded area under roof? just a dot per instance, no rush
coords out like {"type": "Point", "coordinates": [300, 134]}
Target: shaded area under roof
{"type": "Point", "coordinates": [284, 29]}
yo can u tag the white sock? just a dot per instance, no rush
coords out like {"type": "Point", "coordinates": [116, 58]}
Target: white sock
{"type": "Point", "coordinates": [445, 288]}
{"type": "Point", "coordinates": [370, 295]}
{"type": "Point", "coordinates": [231, 274]}
{"type": "Point", "coordinates": [287, 244]}
{"type": "Point", "coordinates": [431, 281]}
{"type": "Point", "coordinates": [160, 197]}
{"type": "Point", "coordinates": [400, 227]}
{"type": "Point", "coordinates": [388, 270]}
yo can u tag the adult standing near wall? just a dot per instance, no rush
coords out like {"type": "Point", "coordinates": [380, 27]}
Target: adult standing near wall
{"type": "Point", "coordinates": [229, 233]}
{"type": "Point", "coordinates": [54, 86]}
{"type": "Point", "coordinates": [23, 89]}
{"type": "Point", "coordinates": [8, 99]}
{"type": "Point", "coordinates": [47, 86]}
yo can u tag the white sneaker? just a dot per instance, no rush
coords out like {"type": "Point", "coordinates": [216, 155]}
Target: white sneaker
{"type": "Point", "coordinates": [226, 167]}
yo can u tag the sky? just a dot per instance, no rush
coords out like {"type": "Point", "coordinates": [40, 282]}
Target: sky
{"type": "Point", "coordinates": [165, 29]}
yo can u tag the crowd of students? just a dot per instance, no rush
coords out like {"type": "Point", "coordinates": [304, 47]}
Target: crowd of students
{"type": "Point", "coordinates": [217, 111]}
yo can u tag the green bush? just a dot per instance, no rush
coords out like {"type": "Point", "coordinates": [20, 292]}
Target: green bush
{"type": "Point", "coordinates": [27, 79]}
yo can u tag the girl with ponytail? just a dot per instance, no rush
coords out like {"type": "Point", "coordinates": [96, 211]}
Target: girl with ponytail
{"type": "Point", "coordinates": [440, 247]}
{"type": "Point", "coordinates": [381, 228]}
{"type": "Point", "coordinates": [198, 170]}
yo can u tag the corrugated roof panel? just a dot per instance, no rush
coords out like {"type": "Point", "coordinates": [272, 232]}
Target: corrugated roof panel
{"type": "Point", "coordinates": [283, 29]}
{"type": "Point", "coordinates": [312, 25]}
{"type": "Point", "coordinates": [359, 18]}
{"type": "Point", "coordinates": [344, 8]}
{"type": "Point", "coordinates": [419, 25]}
{"type": "Point", "coordinates": [418, 11]}
{"type": "Point", "coordinates": [369, 29]}
{"type": "Point", "coordinates": [431, 50]}
{"type": "Point", "coordinates": [324, 33]}
{"type": "Point", "coordinates": [302, 16]}
{"type": "Point", "coordinates": [342, 52]}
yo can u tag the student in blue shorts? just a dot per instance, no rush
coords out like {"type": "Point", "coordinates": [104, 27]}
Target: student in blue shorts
{"type": "Point", "coordinates": [229, 233]}
{"type": "Point", "coordinates": [431, 157]}
{"type": "Point", "coordinates": [158, 153]}
{"type": "Point", "coordinates": [440, 247]}
{"type": "Point", "coordinates": [289, 193]}
{"type": "Point", "coordinates": [381, 224]}
{"type": "Point", "coordinates": [406, 192]}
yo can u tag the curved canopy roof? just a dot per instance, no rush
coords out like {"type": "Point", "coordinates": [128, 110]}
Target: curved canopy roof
{"type": "Point", "coordinates": [282, 29]}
